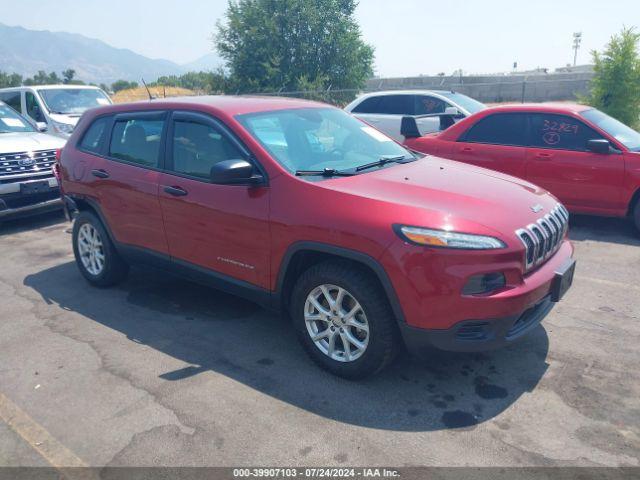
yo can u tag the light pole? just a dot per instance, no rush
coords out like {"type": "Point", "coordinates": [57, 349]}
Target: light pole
{"type": "Point", "coordinates": [577, 40]}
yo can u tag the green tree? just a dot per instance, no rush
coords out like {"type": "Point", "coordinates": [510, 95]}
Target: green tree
{"type": "Point", "coordinates": [205, 82]}
{"type": "Point", "coordinates": [123, 85]}
{"type": "Point", "coordinates": [271, 45]}
{"type": "Point", "coordinates": [10, 80]}
{"type": "Point", "coordinates": [615, 89]}
{"type": "Point", "coordinates": [68, 75]}
{"type": "Point", "coordinates": [43, 78]}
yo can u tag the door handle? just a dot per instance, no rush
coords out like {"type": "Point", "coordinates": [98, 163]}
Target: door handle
{"type": "Point", "coordinates": [466, 149]}
{"type": "Point", "coordinates": [100, 173]}
{"type": "Point", "coordinates": [176, 191]}
{"type": "Point", "coordinates": [544, 156]}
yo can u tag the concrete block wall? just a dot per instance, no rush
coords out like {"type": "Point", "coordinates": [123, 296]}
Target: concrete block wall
{"type": "Point", "coordinates": [507, 88]}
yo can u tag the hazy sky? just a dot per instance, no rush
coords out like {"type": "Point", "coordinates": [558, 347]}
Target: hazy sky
{"type": "Point", "coordinates": [410, 36]}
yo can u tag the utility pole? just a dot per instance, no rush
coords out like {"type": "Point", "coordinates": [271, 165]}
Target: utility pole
{"type": "Point", "coordinates": [577, 40]}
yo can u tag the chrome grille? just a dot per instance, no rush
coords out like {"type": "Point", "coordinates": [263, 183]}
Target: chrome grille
{"type": "Point", "coordinates": [26, 162]}
{"type": "Point", "coordinates": [542, 238]}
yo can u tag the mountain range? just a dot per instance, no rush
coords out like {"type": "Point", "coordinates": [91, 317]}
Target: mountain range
{"type": "Point", "coordinates": [26, 52]}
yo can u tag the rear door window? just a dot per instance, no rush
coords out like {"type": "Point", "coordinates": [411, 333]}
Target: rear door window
{"type": "Point", "coordinates": [396, 105]}
{"type": "Point", "coordinates": [499, 129]}
{"type": "Point", "coordinates": [560, 132]}
{"type": "Point", "coordinates": [137, 140]}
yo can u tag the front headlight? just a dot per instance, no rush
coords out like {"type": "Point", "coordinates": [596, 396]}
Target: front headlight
{"type": "Point", "coordinates": [443, 238]}
{"type": "Point", "coordinates": [63, 128]}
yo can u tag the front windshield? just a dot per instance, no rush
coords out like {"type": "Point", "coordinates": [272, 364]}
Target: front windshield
{"type": "Point", "coordinates": [12, 122]}
{"type": "Point", "coordinates": [319, 138]}
{"type": "Point", "coordinates": [468, 103]}
{"type": "Point", "coordinates": [618, 130]}
{"type": "Point", "coordinates": [73, 100]}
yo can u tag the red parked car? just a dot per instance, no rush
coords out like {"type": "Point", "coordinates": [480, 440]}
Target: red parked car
{"type": "Point", "coordinates": [589, 160]}
{"type": "Point", "coordinates": [299, 206]}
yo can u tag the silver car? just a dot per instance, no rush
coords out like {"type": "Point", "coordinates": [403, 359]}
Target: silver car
{"type": "Point", "coordinates": [27, 156]}
{"type": "Point", "coordinates": [384, 110]}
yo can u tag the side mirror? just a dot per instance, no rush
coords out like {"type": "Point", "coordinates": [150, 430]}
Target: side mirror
{"type": "Point", "coordinates": [452, 111]}
{"type": "Point", "coordinates": [409, 128]}
{"type": "Point", "coordinates": [599, 145]}
{"type": "Point", "coordinates": [41, 126]}
{"type": "Point", "coordinates": [235, 172]}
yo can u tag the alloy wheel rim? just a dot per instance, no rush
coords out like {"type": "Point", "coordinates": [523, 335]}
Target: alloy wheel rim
{"type": "Point", "coordinates": [91, 249]}
{"type": "Point", "coordinates": [336, 323]}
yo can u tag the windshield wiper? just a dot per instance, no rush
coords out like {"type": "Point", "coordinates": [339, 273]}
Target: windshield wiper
{"type": "Point", "coordinates": [384, 161]}
{"type": "Point", "coordinates": [327, 172]}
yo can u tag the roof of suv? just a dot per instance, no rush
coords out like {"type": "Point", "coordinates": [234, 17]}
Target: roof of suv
{"type": "Point", "coordinates": [230, 104]}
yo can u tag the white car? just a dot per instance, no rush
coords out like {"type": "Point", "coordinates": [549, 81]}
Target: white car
{"type": "Point", "coordinates": [27, 182]}
{"type": "Point", "coordinates": [384, 110]}
{"type": "Point", "coordinates": [56, 107]}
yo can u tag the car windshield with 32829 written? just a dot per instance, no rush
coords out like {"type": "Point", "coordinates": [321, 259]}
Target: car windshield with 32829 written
{"type": "Point", "coordinates": [11, 122]}
{"type": "Point", "coordinates": [323, 142]}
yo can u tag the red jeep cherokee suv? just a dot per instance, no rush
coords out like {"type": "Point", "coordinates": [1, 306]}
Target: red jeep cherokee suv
{"type": "Point", "coordinates": [589, 160]}
{"type": "Point", "coordinates": [299, 206]}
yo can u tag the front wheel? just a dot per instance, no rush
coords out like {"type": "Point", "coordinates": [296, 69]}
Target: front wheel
{"type": "Point", "coordinates": [343, 320]}
{"type": "Point", "coordinates": [96, 257]}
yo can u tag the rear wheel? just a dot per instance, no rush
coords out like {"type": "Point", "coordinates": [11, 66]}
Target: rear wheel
{"type": "Point", "coordinates": [343, 320]}
{"type": "Point", "coordinates": [636, 215]}
{"type": "Point", "coordinates": [96, 257]}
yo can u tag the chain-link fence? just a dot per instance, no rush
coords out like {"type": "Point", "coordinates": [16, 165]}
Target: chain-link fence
{"type": "Point", "coordinates": [337, 97]}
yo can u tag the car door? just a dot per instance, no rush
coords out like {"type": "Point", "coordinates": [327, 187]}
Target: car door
{"type": "Point", "coordinates": [496, 141]}
{"type": "Point", "coordinates": [558, 160]}
{"type": "Point", "coordinates": [124, 176]}
{"type": "Point", "coordinates": [221, 228]}
{"type": "Point", "coordinates": [385, 112]}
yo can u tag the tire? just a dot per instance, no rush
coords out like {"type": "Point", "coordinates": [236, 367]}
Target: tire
{"type": "Point", "coordinates": [635, 215]}
{"type": "Point", "coordinates": [112, 268]}
{"type": "Point", "coordinates": [359, 290]}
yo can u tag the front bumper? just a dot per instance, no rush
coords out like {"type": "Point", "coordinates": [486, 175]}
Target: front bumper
{"type": "Point", "coordinates": [476, 335]}
{"type": "Point", "coordinates": [15, 206]}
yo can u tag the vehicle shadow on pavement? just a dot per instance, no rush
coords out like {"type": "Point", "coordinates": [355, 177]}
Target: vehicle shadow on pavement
{"type": "Point", "coordinates": [213, 331]}
{"type": "Point", "coordinates": [19, 225]}
{"type": "Point", "coordinates": [603, 229]}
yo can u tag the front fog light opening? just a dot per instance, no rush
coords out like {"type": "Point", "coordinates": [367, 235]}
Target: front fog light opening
{"type": "Point", "coordinates": [484, 283]}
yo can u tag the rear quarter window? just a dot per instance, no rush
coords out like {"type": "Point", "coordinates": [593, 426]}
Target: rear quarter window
{"type": "Point", "coordinates": [368, 105]}
{"type": "Point", "coordinates": [94, 136]}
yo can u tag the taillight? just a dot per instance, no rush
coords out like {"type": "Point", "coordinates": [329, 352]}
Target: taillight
{"type": "Point", "coordinates": [56, 171]}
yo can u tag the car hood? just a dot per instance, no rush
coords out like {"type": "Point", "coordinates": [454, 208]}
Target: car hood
{"type": "Point", "coordinates": [71, 119]}
{"type": "Point", "coordinates": [438, 193]}
{"type": "Point", "coordinates": [28, 142]}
